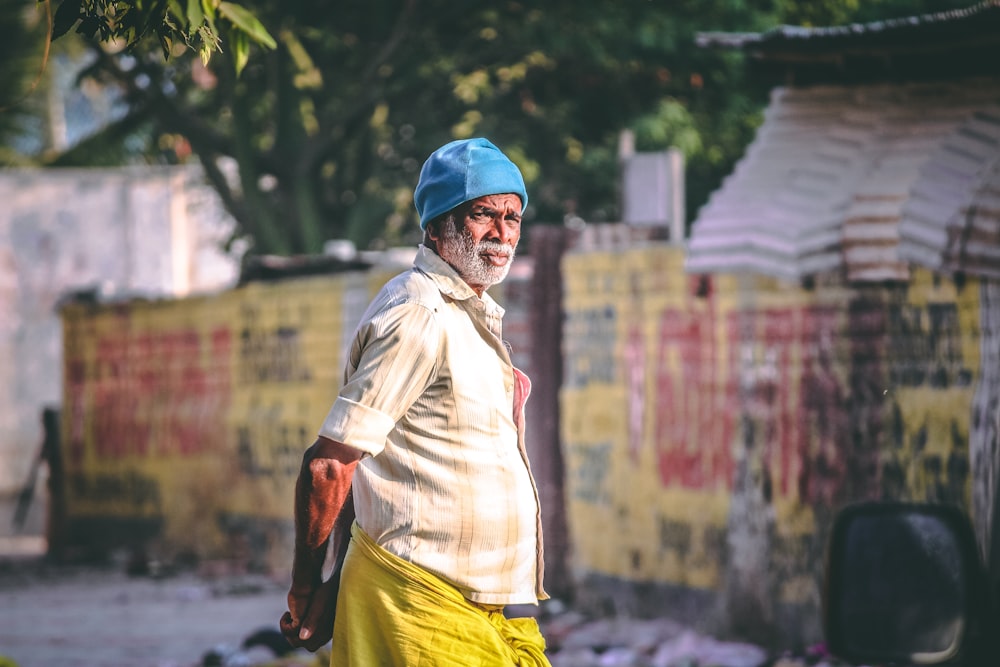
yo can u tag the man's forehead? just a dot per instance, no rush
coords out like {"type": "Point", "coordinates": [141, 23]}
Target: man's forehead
{"type": "Point", "coordinates": [502, 201]}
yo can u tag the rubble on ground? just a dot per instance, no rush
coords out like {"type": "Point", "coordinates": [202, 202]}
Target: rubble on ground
{"type": "Point", "coordinates": [574, 640]}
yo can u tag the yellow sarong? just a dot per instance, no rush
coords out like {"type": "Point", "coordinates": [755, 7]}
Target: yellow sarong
{"type": "Point", "coordinates": [391, 613]}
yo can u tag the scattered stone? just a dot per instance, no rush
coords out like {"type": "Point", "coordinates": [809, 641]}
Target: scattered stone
{"type": "Point", "coordinates": [624, 642]}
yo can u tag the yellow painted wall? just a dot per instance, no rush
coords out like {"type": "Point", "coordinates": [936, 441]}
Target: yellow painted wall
{"type": "Point", "coordinates": [681, 392]}
{"type": "Point", "coordinates": [624, 521]}
{"type": "Point", "coordinates": [934, 413]}
{"type": "Point", "coordinates": [196, 411]}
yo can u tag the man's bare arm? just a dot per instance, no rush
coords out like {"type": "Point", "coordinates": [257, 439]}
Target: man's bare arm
{"type": "Point", "coordinates": [321, 491]}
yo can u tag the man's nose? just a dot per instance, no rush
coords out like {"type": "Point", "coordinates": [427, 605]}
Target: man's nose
{"type": "Point", "coordinates": [501, 231]}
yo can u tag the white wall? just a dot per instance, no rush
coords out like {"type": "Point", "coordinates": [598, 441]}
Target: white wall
{"type": "Point", "coordinates": [137, 231]}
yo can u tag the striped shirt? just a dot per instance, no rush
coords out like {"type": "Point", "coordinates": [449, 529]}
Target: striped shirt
{"type": "Point", "coordinates": [432, 399]}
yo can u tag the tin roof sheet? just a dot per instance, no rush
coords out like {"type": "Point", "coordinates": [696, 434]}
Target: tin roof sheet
{"type": "Point", "coordinates": [951, 222]}
{"type": "Point", "coordinates": [977, 22]}
{"type": "Point", "coordinates": [927, 47]}
{"type": "Point", "coordinates": [864, 179]}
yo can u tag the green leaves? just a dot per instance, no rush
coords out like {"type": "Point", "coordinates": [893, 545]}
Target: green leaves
{"type": "Point", "coordinates": [184, 24]}
{"type": "Point", "coordinates": [245, 27]}
{"type": "Point", "coordinates": [195, 14]}
{"type": "Point", "coordinates": [330, 131]}
{"type": "Point", "coordinates": [239, 46]}
{"type": "Point", "coordinates": [65, 17]}
{"type": "Point", "coordinates": [245, 22]}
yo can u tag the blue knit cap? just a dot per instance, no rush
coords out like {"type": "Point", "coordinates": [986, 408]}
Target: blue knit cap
{"type": "Point", "coordinates": [461, 171]}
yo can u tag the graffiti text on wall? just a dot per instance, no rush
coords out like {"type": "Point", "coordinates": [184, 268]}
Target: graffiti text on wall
{"type": "Point", "coordinates": [794, 404]}
{"type": "Point", "coordinates": [160, 390]}
{"type": "Point", "coordinates": [270, 445]}
{"type": "Point", "coordinates": [270, 354]}
{"type": "Point", "coordinates": [703, 387]}
{"type": "Point", "coordinates": [590, 476]}
{"type": "Point", "coordinates": [925, 346]}
{"type": "Point", "coordinates": [591, 359]}
{"type": "Point", "coordinates": [695, 417]}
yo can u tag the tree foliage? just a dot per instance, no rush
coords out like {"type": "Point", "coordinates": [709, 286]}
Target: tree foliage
{"type": "Point", "coordinates": [22, 49]}
{"type": "Point", "coordinates": [195, 24]}
{"type": "Point", "coordinates": [322, 136]}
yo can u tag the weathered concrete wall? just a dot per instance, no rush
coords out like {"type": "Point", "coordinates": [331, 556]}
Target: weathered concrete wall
{"type": "Point", "coordinates": [184, 420]}
{"type": "Point", "coordinates": [985, 430]}
{"type": "Point", "coordinates": [149, 231]}
{"type": "Point", "coordinates": [712, 425]}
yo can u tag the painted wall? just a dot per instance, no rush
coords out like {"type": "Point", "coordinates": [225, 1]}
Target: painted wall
{"type": "Point", "coordinates": [711, 426]}
{"type": "Point", "coordinates": [184, 421]}
{"type": "Point", "coordinates": [985, 428]}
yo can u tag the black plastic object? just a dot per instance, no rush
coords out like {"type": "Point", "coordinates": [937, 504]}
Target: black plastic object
{"type": "Point", "coordinates": [903, 584]}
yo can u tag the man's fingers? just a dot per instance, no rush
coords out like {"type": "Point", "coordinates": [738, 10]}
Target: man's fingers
{"type": "Point", "coordinates": [312, 620]}
{"type": "Point", "coordinates": [290, 629]}
{"type": "Point", "coordinates": [311, 627]}
{"type": "Point", "coordinates": [317, 626]}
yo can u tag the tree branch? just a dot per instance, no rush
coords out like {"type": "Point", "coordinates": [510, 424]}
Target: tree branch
{"type": "Point", "coordinates": [316, 150]}
{"type": "Point", "coordinates": [172, 116]}
{"type": "Point", "coordinates": [230, 201]}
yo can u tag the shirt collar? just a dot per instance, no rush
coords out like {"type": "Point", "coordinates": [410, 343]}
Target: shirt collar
{"type": "Point", "coordinates": [447, 279]}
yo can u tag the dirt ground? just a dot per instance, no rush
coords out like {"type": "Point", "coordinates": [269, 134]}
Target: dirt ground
{"type": "Point", "coordinates": [99, 616]}
{"type": "Point", "coordinates": [57, 616]}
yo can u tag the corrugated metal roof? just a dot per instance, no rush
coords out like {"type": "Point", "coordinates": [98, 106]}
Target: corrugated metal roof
{"type": "Point", "coordinates": [775, 213]}
{"type": "Point", "coordinates": [941, 46]}
{"type": "Point", "coordinates": [824, 184]}
{"type": "Point", "coordinates": [951, 221]}
{"type": "Point", "coordinates": [977, 21]}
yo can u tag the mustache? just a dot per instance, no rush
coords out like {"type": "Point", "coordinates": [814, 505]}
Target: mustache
{"type": "Point", "coordinates": [496, 247]}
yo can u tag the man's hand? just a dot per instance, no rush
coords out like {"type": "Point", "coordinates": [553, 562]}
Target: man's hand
{"type": "Point", "coordinates": [309, 622]}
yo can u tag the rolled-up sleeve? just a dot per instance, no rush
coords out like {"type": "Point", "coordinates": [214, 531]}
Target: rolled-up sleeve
{"type": "Point", "coordinates": [357, 425]}
{"type": "Point", "coordinates": [393, 358]}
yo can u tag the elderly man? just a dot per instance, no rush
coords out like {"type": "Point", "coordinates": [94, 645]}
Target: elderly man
{"type": "Point", "coordinates": [422, 456]}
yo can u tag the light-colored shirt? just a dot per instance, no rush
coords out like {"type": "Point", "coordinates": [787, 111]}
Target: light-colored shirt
{"type": "Point", "coordinates": [431, 396]}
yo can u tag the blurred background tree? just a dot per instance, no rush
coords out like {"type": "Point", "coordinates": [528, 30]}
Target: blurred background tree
{"type": "Point", "coordinates": [22, 71]}
{"type": "Point", "coordinates": [320, 133]}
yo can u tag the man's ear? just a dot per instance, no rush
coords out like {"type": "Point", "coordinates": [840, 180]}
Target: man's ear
{"type": "Point", "coordinates": [431, 235]}
{"type": "Point", "coordinates": [433, 230]}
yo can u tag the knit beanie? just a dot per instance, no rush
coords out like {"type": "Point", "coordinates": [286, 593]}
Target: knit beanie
{"type": "Point", "coordinates": [461, 171]}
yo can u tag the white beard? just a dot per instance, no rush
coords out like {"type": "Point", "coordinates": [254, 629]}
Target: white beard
{"type": "Point", "coordinates": [465, 256]}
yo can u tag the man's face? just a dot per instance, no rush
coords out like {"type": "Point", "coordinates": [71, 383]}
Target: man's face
{"type": "Point", "coordinates": [480, 243]}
